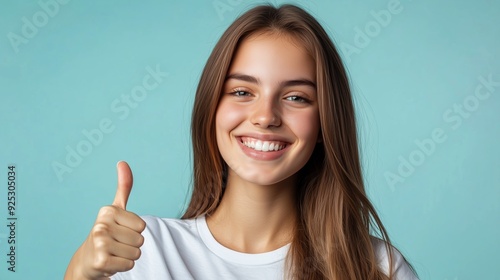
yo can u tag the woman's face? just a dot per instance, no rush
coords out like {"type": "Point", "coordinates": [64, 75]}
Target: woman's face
{"type": "Point", "coordinates": [267, 121]}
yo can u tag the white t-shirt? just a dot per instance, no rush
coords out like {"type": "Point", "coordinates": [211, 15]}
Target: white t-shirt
{"type": "Point", "coordinates": [186, 249]}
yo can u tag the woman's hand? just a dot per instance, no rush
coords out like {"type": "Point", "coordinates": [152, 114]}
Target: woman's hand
{"type": "Point", "coordinates": [114, 241]}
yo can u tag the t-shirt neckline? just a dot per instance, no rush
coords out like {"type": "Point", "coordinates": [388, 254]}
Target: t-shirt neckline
{"type": "Point", "coordinates": [235, 256]}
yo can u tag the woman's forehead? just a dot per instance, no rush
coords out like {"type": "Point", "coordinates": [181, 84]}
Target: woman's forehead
{"type": "Point", "coordinates": [270, 54]}
{"type": "Point", "coordinates": [289, 37]}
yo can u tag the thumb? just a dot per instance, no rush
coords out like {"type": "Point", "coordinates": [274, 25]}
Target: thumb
{"type": "Point", "coordinates": [125, 180]}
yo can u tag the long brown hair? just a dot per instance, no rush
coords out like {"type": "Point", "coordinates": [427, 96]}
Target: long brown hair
{"type": "Point", "coordinates": [332, 239]}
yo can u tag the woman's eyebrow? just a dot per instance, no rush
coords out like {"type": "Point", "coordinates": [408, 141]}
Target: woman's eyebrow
{"type": "Point", "coordinates": [254, 80]}
{"type": "Point", "coordinates": [298, 82]}
{"type": "Point", "coordinates": [243, 77]}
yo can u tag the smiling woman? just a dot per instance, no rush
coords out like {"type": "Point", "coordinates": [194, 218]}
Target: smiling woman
{"type": "Point", "coordinates": [278, 190]}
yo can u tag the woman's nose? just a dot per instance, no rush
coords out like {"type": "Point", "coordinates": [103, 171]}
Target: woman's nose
{"type": "Point", "coordinates": [266, 113]}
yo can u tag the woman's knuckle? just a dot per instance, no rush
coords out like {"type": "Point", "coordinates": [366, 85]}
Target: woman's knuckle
{"type": "Point", "coordinates": [101, 261]}
{"type": "Point", "coordinates": [100, 230]}
{"type": "Point", "coordinates": [107, 211]}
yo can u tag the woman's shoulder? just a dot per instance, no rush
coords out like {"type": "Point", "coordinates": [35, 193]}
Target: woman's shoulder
{"type": "Point", "coordinates": [402, 269]}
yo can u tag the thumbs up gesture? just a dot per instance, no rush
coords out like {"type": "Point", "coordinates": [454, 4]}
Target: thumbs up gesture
{"type": "Point", "coordinates": [114, 241]}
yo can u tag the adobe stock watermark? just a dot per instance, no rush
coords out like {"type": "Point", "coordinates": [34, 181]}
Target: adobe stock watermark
{"type": "Point", "coordinates": [121, 108]}
{"type": "Point", "coordinates": [454, 117]}
{"type": "Point", "coordinates": [223, 6]}
{"type": "Point", "coordinates": [30, 26]}
{"type": "Point", "coordinates": [364, 35]}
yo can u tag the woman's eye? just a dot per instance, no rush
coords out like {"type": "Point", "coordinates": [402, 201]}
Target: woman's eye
{"type": "Point", "coordinates": [240, 93]}
{"type": "Point", "coordinates": [297, 99]}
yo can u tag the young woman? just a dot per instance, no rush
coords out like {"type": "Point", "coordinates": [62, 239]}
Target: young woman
{"type": "Point", "coordinates": [278, 190]}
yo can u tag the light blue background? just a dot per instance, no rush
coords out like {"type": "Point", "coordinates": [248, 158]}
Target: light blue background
{"type": "Point", "coordinates": [444, 217]}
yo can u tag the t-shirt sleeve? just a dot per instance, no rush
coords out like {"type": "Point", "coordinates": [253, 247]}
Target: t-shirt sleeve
{"type": "Point", "coordinates": [401, 269]}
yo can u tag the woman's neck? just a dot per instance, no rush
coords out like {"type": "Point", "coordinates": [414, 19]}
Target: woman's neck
{"type": "Point", "coordinates": [253, 218]}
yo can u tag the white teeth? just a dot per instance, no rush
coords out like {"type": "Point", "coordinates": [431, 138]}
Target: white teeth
{"type": "Point", "coordinates": [264, 146]}
{"type": "Point", "coordinates": [258, 145]}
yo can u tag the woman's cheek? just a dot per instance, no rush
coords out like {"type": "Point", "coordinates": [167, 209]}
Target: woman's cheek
{"type": "Point", "coordinates": [229, 115]}
{"type": "Point", "coordinates": [305, 125]}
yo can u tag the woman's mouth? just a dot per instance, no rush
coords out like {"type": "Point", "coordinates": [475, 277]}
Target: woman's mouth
{"type": "Point", "coordinates": [263, 146]}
